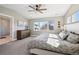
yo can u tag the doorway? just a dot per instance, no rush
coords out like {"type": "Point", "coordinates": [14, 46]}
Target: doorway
{"type": "Point", "coordinates": [5, 29]}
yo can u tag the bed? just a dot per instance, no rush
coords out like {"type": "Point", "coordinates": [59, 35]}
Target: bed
{"type": "Point", "coordinates": [40, 46]}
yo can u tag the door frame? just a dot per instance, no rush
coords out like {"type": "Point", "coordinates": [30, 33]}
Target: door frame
{"type": "Point", "coordinates": [12, 27]}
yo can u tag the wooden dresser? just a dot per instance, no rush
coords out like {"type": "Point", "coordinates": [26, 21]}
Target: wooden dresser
{"type": "Point", "coordinates": [21, 34]}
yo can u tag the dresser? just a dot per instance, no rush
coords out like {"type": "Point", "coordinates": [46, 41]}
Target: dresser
{"type": "Point", "coordinates": [21, 34]}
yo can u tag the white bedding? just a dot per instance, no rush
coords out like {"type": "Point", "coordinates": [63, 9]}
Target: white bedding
{"type": "Point", "coordinates": [60, 46]}
{"type": "Point", "coordinates": [53, 42]}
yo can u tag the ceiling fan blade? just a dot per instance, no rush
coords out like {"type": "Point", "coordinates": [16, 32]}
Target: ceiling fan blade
{"type": "Point", "coordinates": [39, 11]}
{"type": "Point", "coordinates": [35, 10]}
{"type": "Point", "coordinates": [32, 7]}
{"type": "Point", "coordinates": [42, 9]}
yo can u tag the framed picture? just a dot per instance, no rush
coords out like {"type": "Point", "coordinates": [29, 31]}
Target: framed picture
{"type": "Point", "coordinates": [59, 24]}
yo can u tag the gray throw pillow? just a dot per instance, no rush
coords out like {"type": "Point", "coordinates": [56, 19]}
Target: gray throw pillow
{"type": "Point", "coordinates": [73, 38]}
{"type": "Point", "coordinates": [63, 34]}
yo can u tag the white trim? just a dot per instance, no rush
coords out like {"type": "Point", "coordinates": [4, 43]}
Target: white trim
{"type": "Point", "coordinates": [6, 15]}
{"type": "Point", "coordinates": [12, 30]}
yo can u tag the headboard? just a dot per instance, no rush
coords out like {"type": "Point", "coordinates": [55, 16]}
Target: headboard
{"type": "Point", "coordinates": [74, 27]}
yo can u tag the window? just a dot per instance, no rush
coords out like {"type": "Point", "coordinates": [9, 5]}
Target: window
{"type": "Point", "coordinates": [36, 26]}
{"type": "Point", "coordinates": [40, 26]}
{"type": "Point", "coordinates": [21, 25]}
{"type": "Point", "coordinates": [73, 18]}
{"type": "Point", "coordinates": [51, 25]}
{"type": "Point", "coordinates": [43, 25]}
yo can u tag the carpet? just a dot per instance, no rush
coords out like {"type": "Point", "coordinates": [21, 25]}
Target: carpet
{"type": "Point", "coordinates": [18, 47]}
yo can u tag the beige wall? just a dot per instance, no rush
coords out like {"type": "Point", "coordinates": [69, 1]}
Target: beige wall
{"type": "Point", "coordinates": [15, 15]}
{"type": "Point", "coordinates": [56, 19]}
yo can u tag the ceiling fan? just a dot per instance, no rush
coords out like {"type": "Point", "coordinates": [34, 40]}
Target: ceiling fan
{"type": "Point", "coordinates": [37, 8]}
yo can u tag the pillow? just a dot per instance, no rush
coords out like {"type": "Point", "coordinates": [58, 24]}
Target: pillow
{"type": "Point", "coordinates": [53, 42]}
{"type": "Point", "coordinates": [73, 38]}
{"type": "Point", "coordinates": [74, 33]}
{"type": "Point", "coordinates": [63, 34]}
{"type": "Point", "coordinates": [54, 36]}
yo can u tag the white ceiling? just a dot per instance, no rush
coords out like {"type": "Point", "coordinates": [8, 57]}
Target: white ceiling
{"type": "Point", "coordinates": [53, 10]}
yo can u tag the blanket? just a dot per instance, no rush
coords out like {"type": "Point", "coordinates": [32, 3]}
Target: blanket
{"type": "Point", "coordinates": [65, 47]}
